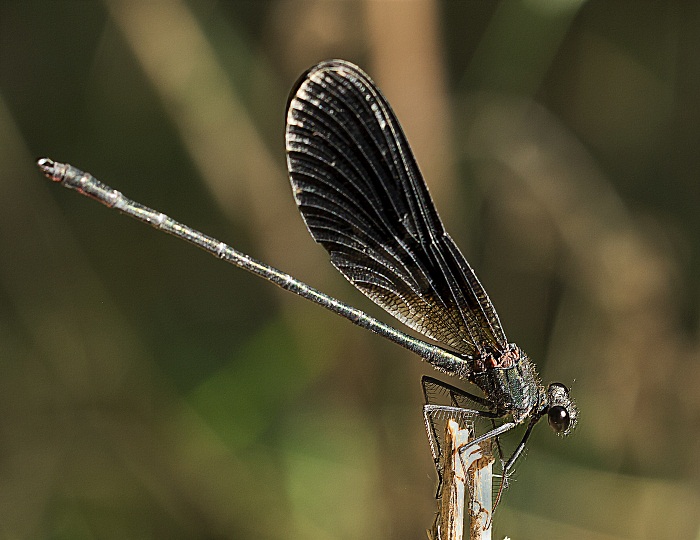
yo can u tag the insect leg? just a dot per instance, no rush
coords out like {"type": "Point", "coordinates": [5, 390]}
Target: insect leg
{"type": "Point", "coordinates": [513, 458]}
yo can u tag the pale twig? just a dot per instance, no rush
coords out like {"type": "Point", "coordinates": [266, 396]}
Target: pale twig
{"type": "Point", "coordinates": [463, 466]}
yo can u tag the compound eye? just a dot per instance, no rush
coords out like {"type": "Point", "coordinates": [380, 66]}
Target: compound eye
{"type": "Point", "coordinates": [558, 418]}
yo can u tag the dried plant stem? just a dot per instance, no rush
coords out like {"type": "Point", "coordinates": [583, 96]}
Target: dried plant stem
{"type": "Point", "coordinates": [463, 467]}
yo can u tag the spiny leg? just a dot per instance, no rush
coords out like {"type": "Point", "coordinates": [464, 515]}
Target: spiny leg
{"type": "Point", "coordinates": [513, 458]}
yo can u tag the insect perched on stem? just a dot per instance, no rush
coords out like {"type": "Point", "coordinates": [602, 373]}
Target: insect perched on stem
{"type": "Point", "coordinates": [362, 197]}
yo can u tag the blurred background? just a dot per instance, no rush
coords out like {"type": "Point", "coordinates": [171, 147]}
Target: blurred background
{"type": "Point", "coordinates": [148, 390]}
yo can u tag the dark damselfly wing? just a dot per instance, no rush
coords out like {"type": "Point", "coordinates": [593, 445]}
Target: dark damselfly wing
{"type": "Point", "coordinates": [364, 200]}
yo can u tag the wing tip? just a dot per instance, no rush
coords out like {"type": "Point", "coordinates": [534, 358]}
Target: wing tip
{"type": "Point", "coordinates": [333, 64]}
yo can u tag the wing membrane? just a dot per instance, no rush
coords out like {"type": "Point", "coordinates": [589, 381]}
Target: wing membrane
{"type": "Point", "coordinates": [364, 200]}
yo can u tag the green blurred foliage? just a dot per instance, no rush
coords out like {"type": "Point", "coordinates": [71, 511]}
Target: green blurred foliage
{"type": "Point", "coordinates": [150, 391]}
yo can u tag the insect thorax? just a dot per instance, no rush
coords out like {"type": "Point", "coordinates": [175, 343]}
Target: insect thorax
{"type": "Point", "coordinates": [509, 381]}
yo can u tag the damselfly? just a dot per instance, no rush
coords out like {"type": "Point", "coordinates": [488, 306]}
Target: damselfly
{"type": "Point", "coordinates": [362, 197]}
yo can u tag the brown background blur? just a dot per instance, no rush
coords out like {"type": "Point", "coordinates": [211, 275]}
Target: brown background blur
{"type": "Point", "coordinates": [149, 391]}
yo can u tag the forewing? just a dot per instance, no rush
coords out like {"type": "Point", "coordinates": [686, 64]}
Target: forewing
{"type": "Point", "coordinates": [364, 200]}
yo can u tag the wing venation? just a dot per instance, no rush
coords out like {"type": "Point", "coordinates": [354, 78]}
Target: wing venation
{"type": "Point", "coordinates": [362, 197]}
